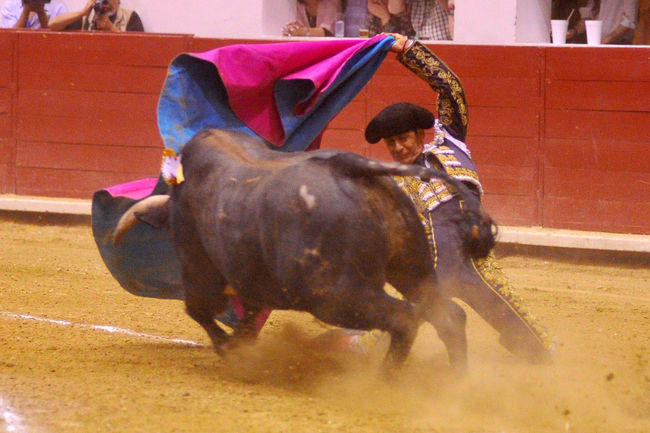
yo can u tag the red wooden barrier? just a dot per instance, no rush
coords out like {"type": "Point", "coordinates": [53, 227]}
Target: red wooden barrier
{"type": "Point", "coordinates": [7, 95]}
{"type": "Point", "coordinates": [560, 134]}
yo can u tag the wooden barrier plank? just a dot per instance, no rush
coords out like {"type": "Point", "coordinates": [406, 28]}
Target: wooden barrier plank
{"type": "Point", "coordinates": [596, 215]}
{"type": "Point", "coordinates": [606, 155]}
{"type": "Point", "coordinates": [109, 78]}
{"type": "Point", "coordinates": [496, 91]}
{"type": "Point", "coordinates": [512, 210]}
{"type": "Point", "coordinates": [345, 139]}
{"type": "Point", "coordinates": [6, 126]}
{"type": "Point", "coordinates": [598, 95]}
{"type": "Point", "coordinates": [7, 47]}
{"type": "Point", "coordinates": [597, 125]}
{"type": "Point", "coordinates": [7, 165]}
{"type": "Point", "coordinates": [352, 117]}
{"type": "Point", "coordinates": [100, 131]}
{"type": "Point", "coordinates": [67, 183]}
{"type": "Point", "coordinates": [511, 180]}
{"type": "Point", "coordinates": [7, 179]}
{"type": "Point", "coordinates": [597, 184]}
{"type": "Point", "coordinates": [593, 63]}
{"type": "Point", "coordinates": [505, 151]}
{"type": "Point", "coordinates": [86, 104]}
{"type": "Point", "coordinates": [6, 69]}
{"type": "Point", "coordinates": [5, 101]}
{"type": "Point", "coordinates": [522, 122]}
{"type": "Point", "coordinates": [88, 157]}
{"type": "Point", "coordinates": [7, 38]}
{"type": "Point", "coordinates": [99, 48]}
{"type": "Point", "coordinates": [386, 89]}
{"type": "Point", "coordinates": [6, 151]}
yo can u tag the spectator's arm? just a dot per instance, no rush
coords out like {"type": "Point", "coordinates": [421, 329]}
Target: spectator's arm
{"type": "Point", "coordinates": [42, 15]}
{"type": "Point", "coordinates": [627, 23]}
{"type": "Point", "coordinates": [60, 22]}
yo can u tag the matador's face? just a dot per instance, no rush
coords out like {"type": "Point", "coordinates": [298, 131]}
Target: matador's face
{"type": "Point", "coordinates": [406, 147]}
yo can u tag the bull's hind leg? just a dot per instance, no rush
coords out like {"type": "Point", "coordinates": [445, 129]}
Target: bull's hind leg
{"type": "Point", "coordinates": [204, 299]}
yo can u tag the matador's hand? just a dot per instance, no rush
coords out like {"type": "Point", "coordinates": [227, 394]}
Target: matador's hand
{"type": "Point", "coordinates": [400, 44]}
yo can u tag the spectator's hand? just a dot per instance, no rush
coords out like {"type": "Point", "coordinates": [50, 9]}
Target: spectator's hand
{"type": "Point", "coordinates": [294, 29]}
{"type": "Point", "coordinates": [379, 8]}
{"type": "Point", "coordinates": [103, 22]}
{"type": "Point", "coordinates": [38, 8]}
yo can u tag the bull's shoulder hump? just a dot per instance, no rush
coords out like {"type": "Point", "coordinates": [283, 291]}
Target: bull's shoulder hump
{"type": "Point", "coordinates": [239, 148]}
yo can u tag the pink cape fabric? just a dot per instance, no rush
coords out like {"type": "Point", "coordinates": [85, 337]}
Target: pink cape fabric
{"type": "Point", "coordinates": [136, 189]}
{"type": "Point", "coordinates": [250, 90]}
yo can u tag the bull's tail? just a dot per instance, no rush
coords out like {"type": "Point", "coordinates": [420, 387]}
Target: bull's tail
{"type": "Point", "coordinates": [477, 229]}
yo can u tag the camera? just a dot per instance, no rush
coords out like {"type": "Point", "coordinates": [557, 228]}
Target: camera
{"type": "Point", "coordinates": [101, 7]}
{"type": "Point", "coordinates": [36, 2]}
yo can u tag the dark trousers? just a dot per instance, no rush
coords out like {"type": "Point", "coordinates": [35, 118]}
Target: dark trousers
{"type": "Point", "coordinates": [482, 285]}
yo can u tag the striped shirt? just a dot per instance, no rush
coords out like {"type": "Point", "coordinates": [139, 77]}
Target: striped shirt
{"type": "Point", "coordinates": [429, 20]}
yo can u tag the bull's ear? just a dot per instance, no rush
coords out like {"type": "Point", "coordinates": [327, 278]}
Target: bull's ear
{"type": "Point", "coordinates": [156, 216]}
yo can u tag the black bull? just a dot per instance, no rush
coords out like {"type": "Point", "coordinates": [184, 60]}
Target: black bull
{"type": "Point", "coordinates": [320, 232]}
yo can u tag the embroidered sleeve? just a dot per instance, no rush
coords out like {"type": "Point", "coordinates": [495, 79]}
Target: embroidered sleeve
{"type": "Point", "coordinates": [452, 105]}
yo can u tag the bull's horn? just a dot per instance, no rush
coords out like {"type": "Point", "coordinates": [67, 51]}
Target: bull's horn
{"type": "Point", "coordinates": [129, 219]}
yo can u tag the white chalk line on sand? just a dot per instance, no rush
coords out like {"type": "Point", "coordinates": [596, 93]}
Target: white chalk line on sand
{"type": "Point", "coordinates": [103, 328]}
{"type": "Point", "coordinates": [13, 422]}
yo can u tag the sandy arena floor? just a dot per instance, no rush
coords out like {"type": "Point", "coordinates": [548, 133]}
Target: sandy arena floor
{"type": "Point", "coordinates": [61, 372]}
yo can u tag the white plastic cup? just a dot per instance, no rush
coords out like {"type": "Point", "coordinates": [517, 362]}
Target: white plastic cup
{"type": "Point", "coordinates": [594, 31]}
{"type": "Point", "coordinates": [558, 31]}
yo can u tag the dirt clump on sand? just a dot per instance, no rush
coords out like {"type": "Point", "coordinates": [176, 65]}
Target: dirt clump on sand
{"type": "Point", "coordinates": [80, 354]}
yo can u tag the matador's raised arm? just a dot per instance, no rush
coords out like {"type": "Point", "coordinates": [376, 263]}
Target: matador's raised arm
{"type": "Point", "coordinates": [452, 105]}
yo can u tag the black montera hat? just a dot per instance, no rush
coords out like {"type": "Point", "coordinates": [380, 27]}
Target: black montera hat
{"type": "Point", "coordinates": [396, 119]}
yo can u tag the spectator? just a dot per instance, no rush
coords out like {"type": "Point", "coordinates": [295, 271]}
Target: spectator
{"type": "Point", "coordinates": [314, 18]}
{"type": "Point", "coordinates": [390, 16]}
{"type": "Point", "coordinates": [29, 14]}
{"type": "Point", "coordinates": [104, 15]}
{"type": "Point", "coordinates": [619, 19]}
{"type": "Point", "coordinates": [430, 19]}
{"type": "Point", "coordinates": [642, 34]}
